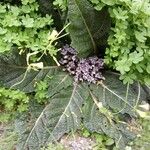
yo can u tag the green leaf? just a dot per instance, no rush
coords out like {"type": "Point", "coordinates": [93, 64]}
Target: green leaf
{"type": "Point", "coordinates": [25, 2]}
{"type": "Point", "coordinates": [97, 122]}
{"type": "Point", "coordinates": [109, 142]}
{"type": "Point", "coordinates": [60, 116]}
{"type": "Point", "coordinates": [60, 81]}
{"type": "Point", "coordinates": [119, 13]}
{"type": "Point", "coordinates": [109, 2]}
{"type": "Point", "coordinates": [148, 68]}
{"type": "Point", "coordinates": [27, 21]}
{"type": "Point", "coordinates": [140, 36]}
{"type": "Point", "coordinates": [13, 73]}
{"type": "Point", "coordinates": [109, 100]}
{"type": "Point", "coordinates": [87, 27]}
{"type": "Point", "coordinates": [128, 78]}
{"type": "Point", "coordinates": [2, 31]}
{"type": "Point", "coordinates": [147, 90]}
{"type": "Point", "coordinates": [117, 96]}
{"type": "Point", "coordinates": [4, 46]}
{"type": "Point", "coordinates": [10, 20]}
{"type": "Point", "coordinates": [15, 10]}
{"type": "Point", "coordinates": [2, 9]}
{"type": "Point", "coordinates": [147, 80]}
{"type": "Point", "coordinates": [123, 65]}
{"type": "Point", "coordinates": [61, 3]}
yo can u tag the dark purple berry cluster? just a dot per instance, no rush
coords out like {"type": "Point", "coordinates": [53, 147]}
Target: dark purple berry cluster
{"type": "Point", "coordinates": [88, 69]}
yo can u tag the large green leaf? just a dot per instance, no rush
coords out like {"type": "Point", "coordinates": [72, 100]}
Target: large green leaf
{"type": "Point", "coordinates": [13, 73]}
{"type": "Point", "coordinates": [108, 101]}
{"type": "Point", "coordinates": [60, 81]}
{"type": "Point", "coordinates": [60, 116]}
{"type": "Point", "coordinates": [95, 121]}
{"type": "Point", "coordinates": [25, 121]}
{"type": "Point", "coordinates": [88, 26]}
{"type": "Point", "coordinates": [117, 96]}
{"type": "Point", "coordinates": [11, 66]}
